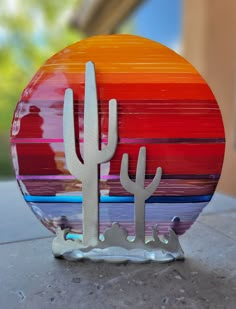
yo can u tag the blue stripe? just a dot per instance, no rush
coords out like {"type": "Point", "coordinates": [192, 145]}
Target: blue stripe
{"type": "Point", "coordinates": [118, 199]}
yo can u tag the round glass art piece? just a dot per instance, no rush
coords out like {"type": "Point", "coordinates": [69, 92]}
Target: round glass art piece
{"type": "Point", "coordinates": [127, 127]}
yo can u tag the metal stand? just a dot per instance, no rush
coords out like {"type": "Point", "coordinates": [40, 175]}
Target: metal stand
{"type": "Point", "coordinates": [116, 247]}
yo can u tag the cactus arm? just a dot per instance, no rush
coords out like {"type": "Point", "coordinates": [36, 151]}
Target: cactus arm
{"type": "Point", "coordinates": [108, 151]}
{"type": "Point", "coordinates": [150, 189]}
{"type": "Point", "coordinates": [126, 182]}
{"type": "Point", "coordinates": [141, 167]}
{"type": "Point", "coordinates": [73, 164]}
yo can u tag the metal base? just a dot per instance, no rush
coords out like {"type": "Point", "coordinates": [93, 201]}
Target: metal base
{"type": "Point", "coordinates": [121, 255]}
{"type": "Point", "coordinates": [116, 248]}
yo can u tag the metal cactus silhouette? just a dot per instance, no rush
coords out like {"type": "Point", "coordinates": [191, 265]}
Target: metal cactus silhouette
{"type": "Point", "coordinates": [137, 188]}
{"type": "Point", "coordinates": [87, 171]}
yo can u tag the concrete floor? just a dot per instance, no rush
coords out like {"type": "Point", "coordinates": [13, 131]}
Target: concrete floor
{"type": "Point", "coordinates": [31, 278]}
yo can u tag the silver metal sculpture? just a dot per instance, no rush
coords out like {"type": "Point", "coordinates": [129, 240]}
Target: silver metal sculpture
{"type": "Point", "coordinates": [138, 190]}
{"type": "Point", "coordinates": [116, 247]}
{"type": "Point", "coordinates": [87, 171]}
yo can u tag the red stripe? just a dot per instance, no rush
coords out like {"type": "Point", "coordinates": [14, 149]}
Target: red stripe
{"type": "Point", "coordinates": [173, 158]}
{"type": "Point", "coordinates": [163, 123]}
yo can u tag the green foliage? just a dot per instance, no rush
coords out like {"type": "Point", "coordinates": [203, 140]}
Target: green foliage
{"type": "Point", "coordinates": [30, 32]}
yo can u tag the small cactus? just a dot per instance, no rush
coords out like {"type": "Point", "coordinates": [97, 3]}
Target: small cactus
{"type": "Point", "coordinates": [87, 171]}
{"type": "Point", "coordinates": [138, 190]}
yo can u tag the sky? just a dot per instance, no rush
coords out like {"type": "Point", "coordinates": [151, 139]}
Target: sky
{"type": "Point", "coordinates": [160, 20]}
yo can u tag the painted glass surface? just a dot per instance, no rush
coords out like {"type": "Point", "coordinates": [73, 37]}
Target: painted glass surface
{"type": "Point", "coordinates": [163, 104]}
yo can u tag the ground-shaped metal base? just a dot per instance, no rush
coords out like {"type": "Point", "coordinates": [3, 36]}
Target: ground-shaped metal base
{"type": "Point", "coordinates": [117, 248]}
{"type": "Point", "coordinates": [121, 255]}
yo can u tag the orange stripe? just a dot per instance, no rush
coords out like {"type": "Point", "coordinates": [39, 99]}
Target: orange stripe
{"type": "Point", "coordinates": [170, 91]}
{"type": "Point", "coordinates": [117, 78]}
{"type": "Point", "coordinates": [120, 53]}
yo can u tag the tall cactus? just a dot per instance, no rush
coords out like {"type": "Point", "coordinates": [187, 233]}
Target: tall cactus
{"type": "Point", "coordinates": [137, 188]}
{"type": "Point", "coordinates": [87, 171]}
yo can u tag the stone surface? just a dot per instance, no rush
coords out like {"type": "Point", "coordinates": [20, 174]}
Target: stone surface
{"type": "Point", "coordinates": [32, 278]}
{"type": "Point", "coordinates": [17, 221]}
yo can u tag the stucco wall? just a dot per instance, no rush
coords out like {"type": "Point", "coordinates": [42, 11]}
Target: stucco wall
{"type": "Point", "coordinates": [209, 44]}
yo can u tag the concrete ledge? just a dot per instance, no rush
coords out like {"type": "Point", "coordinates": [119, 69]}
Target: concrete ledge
{"type": "Point", "coordinates": [32, 278]}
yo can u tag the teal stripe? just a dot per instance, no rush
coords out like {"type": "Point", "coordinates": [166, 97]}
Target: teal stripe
{"type": "Point", "coordinates": [118, 199]}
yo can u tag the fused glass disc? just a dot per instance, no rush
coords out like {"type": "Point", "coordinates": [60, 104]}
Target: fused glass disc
{"type": "Point", "coordinates": [163, 105]}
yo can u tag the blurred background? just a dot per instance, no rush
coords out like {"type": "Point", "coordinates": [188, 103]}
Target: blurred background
{"type": "Point", "coordinates": [202, 31]}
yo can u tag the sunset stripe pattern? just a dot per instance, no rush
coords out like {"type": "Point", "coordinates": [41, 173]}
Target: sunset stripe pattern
{"type": "Point", "coordinates": [163, 104]}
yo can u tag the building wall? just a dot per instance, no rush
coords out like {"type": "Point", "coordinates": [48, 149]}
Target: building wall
{"type": "Point", "coordinates": [209, 44]}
